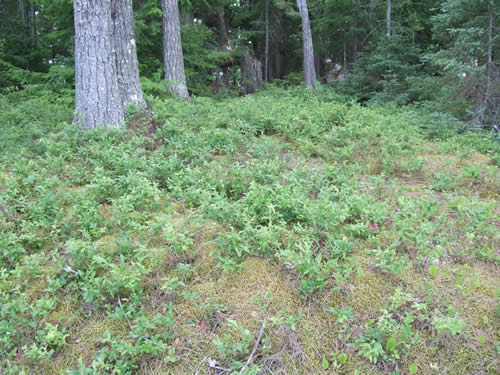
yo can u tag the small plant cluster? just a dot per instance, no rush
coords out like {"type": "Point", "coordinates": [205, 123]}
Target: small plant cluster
{"type": "Point", "coordinates": [390, 336]}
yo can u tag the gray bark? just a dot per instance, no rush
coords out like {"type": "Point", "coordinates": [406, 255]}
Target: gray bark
{"type": "Point", "coordinates": [172, 49]}
{"type": "Point", "coordinates": [187, 17]}
{"type": "Point", "coordinates": [32, 23]}
{"type": "Point", "coordinates": [491, 97]}
{"type": "Point", "coordinates": [251, 70]}
{"type": "Point", "coordinates": [224, 45]}
{"type": "Point", "coordinates": [388, 19]}
{"type": "Point", "coordinates": [489, 67]}
{"type": "Point", "coordinates": [21, 10]}
{"type": "Point", "coordinates": [266, 53]}
{"type": "Point", "coordinates": [309, 71]}
{"type": "Point", "coordinates": [222, 35]}
{"type": "Point", "coordinates": [98, 99]}
{"type": "Point", "coordinates": [126, 54]}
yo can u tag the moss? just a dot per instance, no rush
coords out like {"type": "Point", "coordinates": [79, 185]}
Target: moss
{"type": "Point", "coordinates": [371, 289]}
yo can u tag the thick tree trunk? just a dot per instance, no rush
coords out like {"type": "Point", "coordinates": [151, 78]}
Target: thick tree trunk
{"type": "Point", "coordinates": [172, 49]}
{"type": "Point", "coordinates": [225, 46]}
{"type": "Point", "coordinates": [98, 99]}
{"type": "Point", "coordinates": [309, 71]}
{"type": "Point", "coordinates": [251, 69]}
{"type": "Point", "coordinates": [126, 54]}
{"type": "Point", "coordinates": [222, 35]}
{"type": "Point", "coordinates": [388, 19]}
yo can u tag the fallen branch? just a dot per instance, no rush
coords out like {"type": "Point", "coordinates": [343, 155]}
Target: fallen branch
{"type": "Point", "coordinates": [261, 332]}
{"type": "Point", "coordinates": [212, 363]}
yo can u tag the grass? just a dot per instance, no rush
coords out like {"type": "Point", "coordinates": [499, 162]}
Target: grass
{"type": "Point", "coordinates": [361, 241]}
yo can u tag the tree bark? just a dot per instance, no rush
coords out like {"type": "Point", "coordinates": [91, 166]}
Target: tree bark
{"type": "Point", "coordinates": [187, 17]}
{"type": "Point", "coordinates": [172, 49]}
{"type": "Point", "coordinates": [489, 67]}
{"type": "Point", "coordinates": [32, 24]}
{"type": "Point", "coordinates": [388, 19]}
{"type": "Point", "coordinates": [345, 53]}
{"type": "Point", "coordinates": [222, 35]}
{"type": "Point", "coordinates": [251, 69]}
{"type": "Point", "coordinates": [491, 104]}
{"type": "Point", "coordinates": [21, 10]}
{"type": "Point", "coordinates": [277, 63]}
{"type": "Point", "coordinates": [224, 43]}
{"type": "Point", "coordinates": [126, 54]}
{"type": "Point", "coordinates": [98, 99]}
{"type": "Point", "coordinates": [309, 71]}
{"type": "Point", "coordinates": [266, 53]}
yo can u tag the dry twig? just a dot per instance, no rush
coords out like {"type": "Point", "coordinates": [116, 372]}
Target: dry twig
{"type": "Point", "coordinates": [261, 332]}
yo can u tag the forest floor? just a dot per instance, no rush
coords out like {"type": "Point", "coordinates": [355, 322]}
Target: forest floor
{"type": "Point", "coordinates": [280, 233]}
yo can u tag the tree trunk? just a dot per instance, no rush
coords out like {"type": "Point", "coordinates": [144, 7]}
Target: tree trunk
{"type": "Point", "coordinates": [317, 59]}
{"type": "Point", "coordinates": [172, 49]}
{"type": "Point", "coordinates": [491, 103]}
{"type": "Point", "coordinates": [345, 54]}
{"type": "Point", "coordinates": [98, 99]}
{"type": "Point", "coordinates": [222, 36]}
{"type": "Point", "coordinates": [388, 19]}
{"type": "Point", "coordinates": [187, 17]}
{"type": "Point", "coordinates": [126, 54]}
{"type": "Point", "coordinates": [225, 46]}
{"type": "Point", "coordinates": [277, 63]}
{"type": "Point", "coordinates": [32, 24]}
{"type": "Point", "coordinates": [251, 70]}
{"type": "Point", "coordinates": [489, 67]}
{"type": "Point", "coordinates": [309, 72]}
{"type": "Point", "coordinates": [21, 10]}
{"type": "Point", "coordinates": [266, 53]}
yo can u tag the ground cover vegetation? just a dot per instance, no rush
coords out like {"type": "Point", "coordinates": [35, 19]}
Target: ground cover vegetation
{"type": "Point", "coordinates": [324, 199]}
{"type": "Point", "coordinates": [290, 231]}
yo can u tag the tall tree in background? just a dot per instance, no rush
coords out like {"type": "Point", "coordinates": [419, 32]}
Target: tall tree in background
{"type": "Point", "coordinates": [172, 49]}
{"type": "Point", "coordinates": [266, 51]}
{"type": "Point", "coordinates": [388, 19]}
{"type": "Point", "coordinates": [126, 54]}
{"type": "Point", "coordinates": [107, 76]}
{"type": "Point", "coordinates": [309, 69]}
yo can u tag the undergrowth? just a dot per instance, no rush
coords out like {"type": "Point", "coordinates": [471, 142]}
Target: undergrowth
{"type": "Point", "coordinates": [356, 239]}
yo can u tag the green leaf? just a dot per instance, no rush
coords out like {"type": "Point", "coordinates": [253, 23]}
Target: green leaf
{"type": "Point", "coordinates": [391, 344]}
{"type": "Point", "coordinates": [481, 340]}
{"type": "Point", "coordinates": [325, 364]}
{"type": "Point", "coordinates": [433, 270]}
{"type": "Point", "coordinates": [360, 272]}
{"type": "Point", "coordinates": [342, 358]}
{"type": "Point", "coordinates": [413, 368]}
